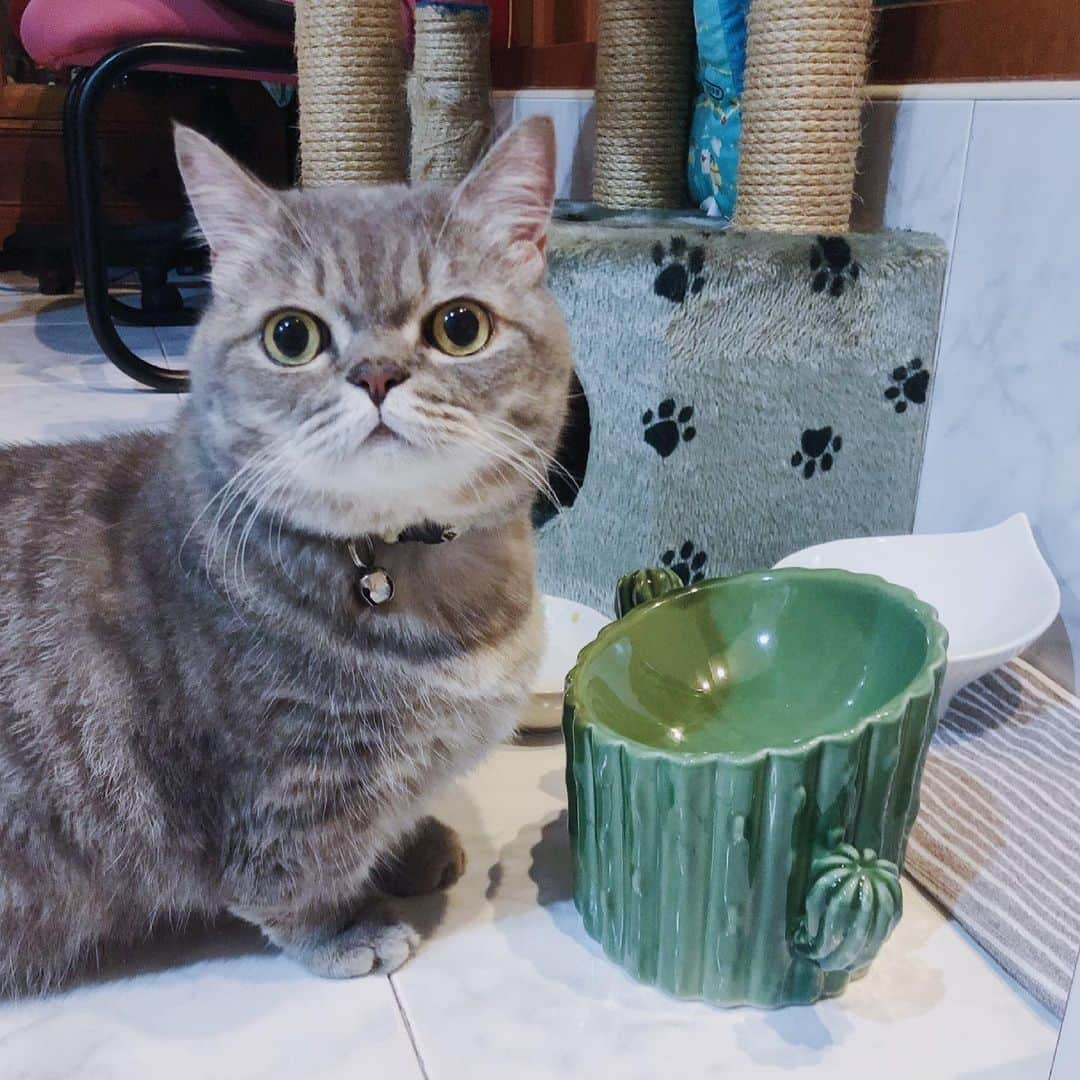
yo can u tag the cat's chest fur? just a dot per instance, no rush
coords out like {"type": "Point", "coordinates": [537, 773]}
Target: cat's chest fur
{"type": "Point", "coordinates": [350, 718]}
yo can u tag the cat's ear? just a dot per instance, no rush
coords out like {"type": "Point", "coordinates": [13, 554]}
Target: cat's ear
{"type": "Point", "coordinates": [511, 191]}
{"type": "Point", "coordinates": [228, 201]}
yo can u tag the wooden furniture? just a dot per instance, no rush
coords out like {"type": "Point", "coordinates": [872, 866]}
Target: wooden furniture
{"type": "Point", "coordinates": [552, 44]}
{"type": "Point", "coordinates": [139, 182]}
{"type": "Point", "coordinates": [951, 40]}
{"type": "Point", "coordinates": [121, 43]}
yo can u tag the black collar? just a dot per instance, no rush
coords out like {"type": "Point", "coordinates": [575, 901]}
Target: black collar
{"type": "Point", "coordinates": [427, 532]}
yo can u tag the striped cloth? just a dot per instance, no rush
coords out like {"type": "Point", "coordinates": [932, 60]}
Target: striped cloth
{"type": "Point", "coordinates": [997, 840]}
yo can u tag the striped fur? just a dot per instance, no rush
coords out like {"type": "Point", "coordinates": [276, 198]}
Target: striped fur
{"type": "Point", "coordinates": [196, 715]}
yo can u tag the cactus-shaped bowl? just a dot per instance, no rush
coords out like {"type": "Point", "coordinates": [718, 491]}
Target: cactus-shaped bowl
{"type": "Point", "coordinates": [743, 766]}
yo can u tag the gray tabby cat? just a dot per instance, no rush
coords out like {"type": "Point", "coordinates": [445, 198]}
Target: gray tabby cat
{"type": "Point", "coordinates": [198, 711]}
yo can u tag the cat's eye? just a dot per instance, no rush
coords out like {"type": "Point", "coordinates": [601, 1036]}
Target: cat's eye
{"type": "Point", "coordinates": [293, 337]}
{"type": "Point", "coordinates": [459, 328]}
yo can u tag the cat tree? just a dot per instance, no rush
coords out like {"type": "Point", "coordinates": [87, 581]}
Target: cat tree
{"type": "Point", "coordinates": [643, 58]}
{"type": "Point", "coordinates": [805, 68]}
{"type": "Point", "coordinates": [742, 386]}
{"type": "Point", "coordinates": [450, 91]}
{"type": "Point", "coordinates": [350, 60]}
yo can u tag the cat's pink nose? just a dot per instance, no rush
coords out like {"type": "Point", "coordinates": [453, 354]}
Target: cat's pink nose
{"type": "Point", "coordinates": [377, 379]}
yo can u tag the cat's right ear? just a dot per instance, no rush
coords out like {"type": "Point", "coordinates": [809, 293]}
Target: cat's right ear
{"type": "Point", "coordinates": [228, 201]}
{"type": "Point", "coordinates": [508, 196]}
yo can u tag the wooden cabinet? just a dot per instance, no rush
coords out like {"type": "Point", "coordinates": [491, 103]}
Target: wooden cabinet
{"type": "Point", "coordinates": [949, 40]}
{"type": "Point", "coordinates": [139, 179]}
{"type": "Point", "coordinates": [552, 43]}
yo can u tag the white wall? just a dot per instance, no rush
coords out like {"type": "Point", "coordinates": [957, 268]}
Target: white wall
{"type": "Point", "coordinates": [994, 169]}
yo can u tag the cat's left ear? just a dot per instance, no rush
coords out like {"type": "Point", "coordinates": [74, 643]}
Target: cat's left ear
{"type": "Point", "coordinates": [229, 203]}
{"type": "Point", "coordinates": [509, 195]}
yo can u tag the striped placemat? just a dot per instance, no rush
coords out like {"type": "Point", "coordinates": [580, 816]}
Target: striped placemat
{"type": "Point", "coordinates": [997, 840]}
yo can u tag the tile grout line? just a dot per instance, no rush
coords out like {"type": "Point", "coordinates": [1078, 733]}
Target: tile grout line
{"type": "Point", "coordinates": [944, 310]}
{"type": "Point", "coordinates": [963, 182]}
{"type": "Point", "coordinates": [408, 1027]}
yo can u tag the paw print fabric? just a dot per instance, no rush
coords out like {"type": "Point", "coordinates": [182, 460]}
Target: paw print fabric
{"type": "Point", "coordinates": [687, 561]}
{"type": "Point", "coordinates": [681, 269]}
{"type": "Point", "coordinates": [666, 429]}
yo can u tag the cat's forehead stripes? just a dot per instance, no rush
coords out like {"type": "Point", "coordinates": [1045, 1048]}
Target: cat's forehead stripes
{"type": "Point", "coordinates": [366, 255]}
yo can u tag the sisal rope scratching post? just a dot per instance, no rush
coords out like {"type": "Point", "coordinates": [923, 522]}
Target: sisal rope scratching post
{"type": "Point", "coordinates": [450, 91]}
{"type": "Point", "coordinates": [805, 68]}
{"type": "Point", "coordinates": [351, 67]}
{"type": "Point", "coordinates": [643, 60]}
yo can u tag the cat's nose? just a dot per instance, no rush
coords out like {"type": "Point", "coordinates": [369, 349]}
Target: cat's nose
{"type": "Point", "coordinates": [378, 379]}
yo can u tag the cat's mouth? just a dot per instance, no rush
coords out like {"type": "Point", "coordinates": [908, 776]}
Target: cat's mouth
{"type": "Point", "coordinates": [382, 435]}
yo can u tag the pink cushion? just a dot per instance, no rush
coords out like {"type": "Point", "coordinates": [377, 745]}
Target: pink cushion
{"type": "Point", "coordinates": [75, 33]}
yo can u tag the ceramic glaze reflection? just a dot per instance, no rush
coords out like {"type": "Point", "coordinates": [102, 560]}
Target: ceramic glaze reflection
{"type": "Point", "coordinates": [760, 661]}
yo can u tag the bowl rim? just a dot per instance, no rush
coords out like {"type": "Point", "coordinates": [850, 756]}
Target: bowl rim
{"type": "Point", "coordinates": [926, 683]}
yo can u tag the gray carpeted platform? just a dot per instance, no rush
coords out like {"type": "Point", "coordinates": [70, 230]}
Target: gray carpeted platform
{"type": "Point", "coordinates": [750, 394]}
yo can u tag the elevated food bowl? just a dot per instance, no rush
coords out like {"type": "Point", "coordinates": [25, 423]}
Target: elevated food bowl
{"type": "Point", "coordinates": [743, 766]}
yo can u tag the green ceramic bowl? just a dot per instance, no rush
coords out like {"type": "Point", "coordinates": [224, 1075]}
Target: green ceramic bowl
{"type": "Point", "coordinates": [743, 766]}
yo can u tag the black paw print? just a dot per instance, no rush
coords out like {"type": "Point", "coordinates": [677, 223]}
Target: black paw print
{"type": "Point", "coordinates": [912, 381]}
{"type": "Point", "coordinates": [832, 264]}
{"type": "Point", "coordinates": [682, 274]}
{"type": "Point", "coordinates": [818, 447]}
{"type": "Point", "coordinates": [664, 434]}
{"type": "Point", "coordinates": [690, 565]}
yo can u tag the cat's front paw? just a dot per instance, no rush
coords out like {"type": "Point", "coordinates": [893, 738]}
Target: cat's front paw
{"type": "Point", "coordinates": [373, 940]}
{"type": "Point", "coordinates": [431, 859]}
{"type": "Point", "coordinates": [367, 947]}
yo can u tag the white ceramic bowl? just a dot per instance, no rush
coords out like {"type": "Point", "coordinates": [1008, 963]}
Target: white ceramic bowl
{"type": "Point", "coordinates": [992, 589]}
{"type": "Point", "coordinates": [569, 627]}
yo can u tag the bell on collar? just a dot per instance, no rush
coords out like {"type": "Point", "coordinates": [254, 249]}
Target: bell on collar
{"type": "Point", "coordinates": [375, 586]}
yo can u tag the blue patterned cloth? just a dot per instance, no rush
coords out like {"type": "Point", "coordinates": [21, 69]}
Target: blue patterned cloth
{"type": "Point", "coordinates": [717, 120]}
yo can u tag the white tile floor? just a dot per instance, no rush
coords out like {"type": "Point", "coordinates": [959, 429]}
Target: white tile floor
{"type": "Point", "coordinates": [506, 982]}
{"type": "Point", "coordinates": [55, 383]}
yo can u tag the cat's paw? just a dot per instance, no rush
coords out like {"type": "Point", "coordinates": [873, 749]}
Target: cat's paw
{"type": "Point", "coordinates": [370, 946]}
{"type": "Point", "coordinates": [431, 859]}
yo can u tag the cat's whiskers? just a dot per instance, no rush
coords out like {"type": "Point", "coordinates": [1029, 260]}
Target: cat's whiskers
{"type": "Point", "coordinates": [233, 487]}
{"type": "Point", "coordinates": [549, 460]}
{"type": "Point", "coordinates": [273, 486]}
{"type": "Point", "coordinates": [452, 413]}
{"type": "Point", "coordinates": [230, 485]}
{"type": "Point", "coordinates": [245, 488]}
{"type": "Point", "coordinates": [454, 421]}
{"type": "Point", "coordinates": [218, 555]}
{"type": "Point", "coordinates": [490, 443]}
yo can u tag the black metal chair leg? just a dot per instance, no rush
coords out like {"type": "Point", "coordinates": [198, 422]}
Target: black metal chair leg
{"type": "Point", "coordinates": [84, 176]}
{"type": "Point", "coordinates": [71, 163]}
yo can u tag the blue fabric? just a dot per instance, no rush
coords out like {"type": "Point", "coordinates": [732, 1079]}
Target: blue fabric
{"type": "Point", "coordinates": [717, 121]}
